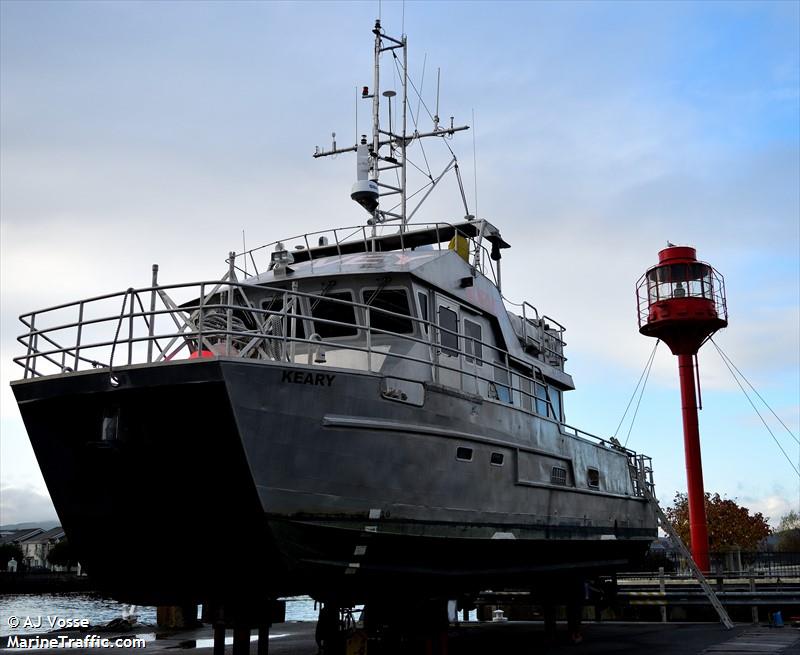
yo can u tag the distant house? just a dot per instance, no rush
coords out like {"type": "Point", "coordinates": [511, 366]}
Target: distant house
{"type": "Point", "coordinates": [663, 545]}
{"type": "Point", "coordinates": [37, 546]}
{"type": "Point", "coordinates": [663, 552]}
{"type": "Point", "coordinates": [17, 536]}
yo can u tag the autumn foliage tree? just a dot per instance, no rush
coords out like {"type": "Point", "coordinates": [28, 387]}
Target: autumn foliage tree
{"type": "Point", "coordinates": [729, 524]}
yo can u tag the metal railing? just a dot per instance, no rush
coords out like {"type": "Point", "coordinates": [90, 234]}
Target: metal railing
{"type": "Point", "coordinates": [641, 470]}
{"type": "Point", "coordinates": [652, 289]}
{"type": "Point", "coordinates": [735, 564]}
{"type": "Point", "coordinates": [540, 334]}
{"type": "Point", "coordinates": [222, 320]}
{"type": "Point", "coordinates": [159, 324]}
{"type": "Point", "coordinates": [368, 238]}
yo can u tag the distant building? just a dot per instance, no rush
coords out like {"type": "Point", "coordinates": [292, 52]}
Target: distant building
{"type": "Point", "coordinates": [36, 547]}
{"type": "Point", "coordinates": [17, 536]}
{"type": "Point", "coordinates": [663, 545]}
{"type": "Point", "coordinates": [787, 541]}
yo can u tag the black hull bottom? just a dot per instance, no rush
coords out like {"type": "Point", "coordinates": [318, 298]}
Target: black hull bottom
{"type": "Point", "coordinates": [154, 488]}
{"type": "Point", "coordinates": [352, 566]}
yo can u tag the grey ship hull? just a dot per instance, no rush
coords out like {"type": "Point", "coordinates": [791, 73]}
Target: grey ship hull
{"type": "Point", "coordinates": [221, 478]}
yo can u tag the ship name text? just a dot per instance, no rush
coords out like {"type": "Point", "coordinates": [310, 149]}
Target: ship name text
{"type": "Point", "coordinates": [301, 377]}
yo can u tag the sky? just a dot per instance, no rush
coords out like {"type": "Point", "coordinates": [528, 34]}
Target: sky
{"type": "Point", "coordinates": [134, 133]}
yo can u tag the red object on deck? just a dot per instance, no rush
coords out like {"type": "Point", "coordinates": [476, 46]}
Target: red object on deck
{"type": "Point", "coordinates": [201, 353]}
{"type": "Point", "coordinates": [682, 302]}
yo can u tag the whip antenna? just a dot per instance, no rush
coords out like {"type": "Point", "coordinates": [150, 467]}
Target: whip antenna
{"type": "Point", "coordinates": [474, 165]}
{"type": "Point", "coordinates": [436, 115]}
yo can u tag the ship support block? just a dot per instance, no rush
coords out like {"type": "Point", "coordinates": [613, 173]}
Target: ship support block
{"type": "Point", "coordinates": [243, 619]}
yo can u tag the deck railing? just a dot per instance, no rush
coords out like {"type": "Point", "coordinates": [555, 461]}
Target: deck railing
{"type": "Point", "coordinates": [543, 334]}
{"type": "Point", "coordinates": [159, 324]}
{"type": "Point", "coordinates": [367, 238]}
{"type": "Point", "coordinates": [114, 330]}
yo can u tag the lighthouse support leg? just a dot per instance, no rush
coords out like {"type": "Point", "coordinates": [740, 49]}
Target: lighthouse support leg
{"type": "Point", "coordinates": [694, 469]}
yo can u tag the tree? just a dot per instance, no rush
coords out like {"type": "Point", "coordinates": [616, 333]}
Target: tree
{"type": "Point", "coordinates": [729, 524]}
{"type": "Point", "coordinates": [61, 554]}
{"type": "Point", "coordinates": [790, 521]}
{"type": "Point", "coordinates": [9, 552]}
{"type": "Point", "coordinates": [789, 532]}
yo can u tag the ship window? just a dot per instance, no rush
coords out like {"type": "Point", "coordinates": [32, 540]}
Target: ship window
{"type": "Point", "coordinates": [472, 344]}
{"type": "Point", "coordinates": [541, 399]}
{"type": "Point", "coordinates": [555, 401]}
{"type": "Point", "coordinates": [464, 454]}
{"type": "Point", "coordinates": [342, 313]}
{"type": "Point", "coordinates": [593, 478]}
{"type": "Point", "coordinates": [558, 476]}
{"type": "Point", "coordinates": [423, 309]}
{"type": "Point", "coordinates": [497, 459]}
{"type": "Point", "coordinates": [525, 392]}
{"type": "Point", "coordinates": [390, 300]}
{"type": "Point", "coordinates": [275, 304]}
{"type": "Point", "coordinates": [448, 335]}
{"type": "Point", "coordinates": [499, 388]}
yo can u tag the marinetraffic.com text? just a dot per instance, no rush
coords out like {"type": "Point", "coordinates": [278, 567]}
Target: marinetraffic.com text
{"type": "Point", "coordinates": [65, 641]}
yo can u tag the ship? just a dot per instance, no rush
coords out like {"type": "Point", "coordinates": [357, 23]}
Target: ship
{"type": "Point", "coordinates": [353, 413]}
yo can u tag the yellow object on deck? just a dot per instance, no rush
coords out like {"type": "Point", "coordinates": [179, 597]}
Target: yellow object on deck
{"type": "Point", "coordinates": [461, 246]}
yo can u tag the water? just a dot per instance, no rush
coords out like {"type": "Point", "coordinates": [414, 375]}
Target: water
{"type": "Point", "coordinates": [99, 611]}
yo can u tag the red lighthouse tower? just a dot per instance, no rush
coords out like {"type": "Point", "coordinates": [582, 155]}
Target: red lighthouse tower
{"type": "Point", "coordinates": [682, 302]}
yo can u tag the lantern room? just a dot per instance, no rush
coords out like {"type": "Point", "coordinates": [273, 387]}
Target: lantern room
{"type": "Point", "coordinates": [681, 300]}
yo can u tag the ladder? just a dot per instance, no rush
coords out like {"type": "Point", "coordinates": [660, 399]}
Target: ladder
{"type": "Point", "coordinates": [667, 527]}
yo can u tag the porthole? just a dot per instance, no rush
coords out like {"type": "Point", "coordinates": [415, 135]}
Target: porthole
{"type": "Point", "coordinates": [464, 454]}
{"type": "Point", "coordinates": [496, 459]}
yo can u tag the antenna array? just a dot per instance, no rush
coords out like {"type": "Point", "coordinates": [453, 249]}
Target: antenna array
{"type": "Point", "coordinates": [387, 149]}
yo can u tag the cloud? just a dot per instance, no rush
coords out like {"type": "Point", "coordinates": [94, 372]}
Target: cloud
{"type": "Point", "coordinates": [23, 504]}
{"type": "Point", "coordinates": [773, 506]}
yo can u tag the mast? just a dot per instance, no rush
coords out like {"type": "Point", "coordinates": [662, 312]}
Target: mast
{"type": "Point", "coordinates": [368, 192]}
{"type": "Point", "coordinates": [376, 114]}
{"type": "Point", "coordinates": [404, 141]}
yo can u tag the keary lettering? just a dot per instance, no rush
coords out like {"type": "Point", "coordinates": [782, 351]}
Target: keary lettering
{"type": "Point", "coordinates": [302, 377]}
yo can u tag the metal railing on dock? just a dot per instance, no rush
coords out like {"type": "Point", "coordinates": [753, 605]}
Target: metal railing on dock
{"type": "Point", "coordinates": [748, 595]}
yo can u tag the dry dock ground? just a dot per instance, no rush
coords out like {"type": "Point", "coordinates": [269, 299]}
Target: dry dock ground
{"type": "Point", "coordinates": [518, 638]}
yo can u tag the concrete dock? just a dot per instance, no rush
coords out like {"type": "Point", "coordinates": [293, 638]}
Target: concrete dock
{"type": "Point", "coordinates": [523, 637]}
